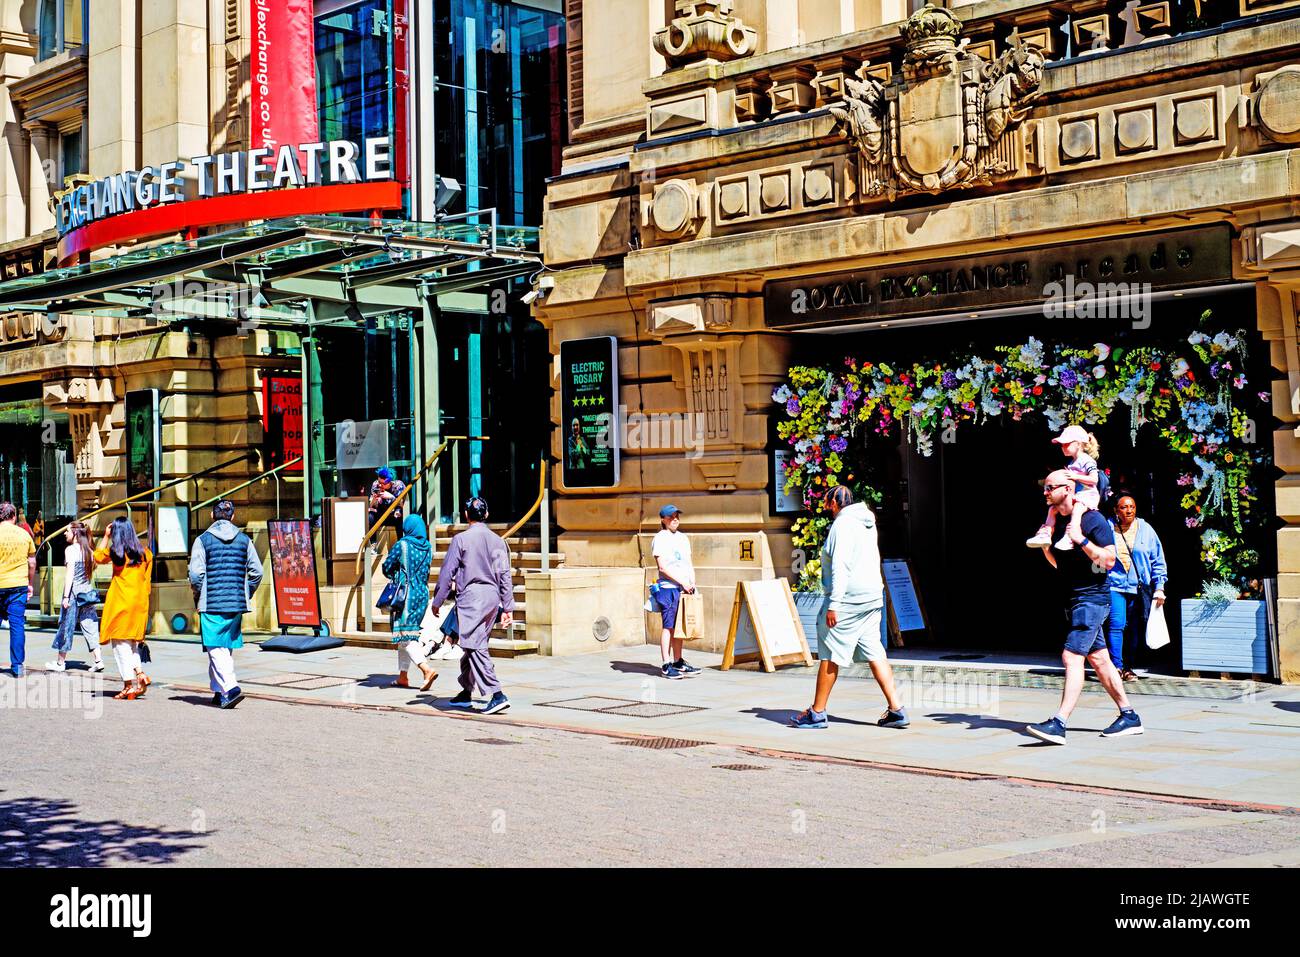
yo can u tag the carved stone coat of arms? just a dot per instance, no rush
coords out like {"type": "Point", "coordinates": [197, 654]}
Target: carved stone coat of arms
{"type": "Point", "coordinates": [947, 119]}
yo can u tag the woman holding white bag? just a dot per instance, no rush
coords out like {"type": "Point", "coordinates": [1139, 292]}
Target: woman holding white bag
{"type": "Point", "coordinates": [1137, 584]}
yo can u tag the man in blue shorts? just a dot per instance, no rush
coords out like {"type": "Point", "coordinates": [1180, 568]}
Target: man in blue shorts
{"type": "Point", "coordinates": [1083, 571]}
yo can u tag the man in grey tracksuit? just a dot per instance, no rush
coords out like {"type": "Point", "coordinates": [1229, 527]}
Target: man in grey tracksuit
{"type": "Point", "coordinates": [224, 573]}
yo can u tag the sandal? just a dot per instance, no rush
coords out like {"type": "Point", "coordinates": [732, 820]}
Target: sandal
{"type": "Point", "coordinates": [129, 692]}
{"type": "Point", "coordinates": [143, 681]}
{"type": "Point", "coordinates": [401, 682]}
{"type": "Point", "coordinates": [1127, 675]}
{"type": "Point", "coordinates": [430, 677]}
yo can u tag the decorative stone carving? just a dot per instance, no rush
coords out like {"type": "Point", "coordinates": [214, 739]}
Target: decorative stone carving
{"type": "Point", "coordinates": [704, 31]}
{"type": "Point", "coordinates": [942, 123]}
{"type": "Point", "coordinates": [1277, 105]}
{"type": "Point", "coordinates": [752, 102]}
{"type": "Point", "coordinates": [675, 209]}
{"type": "Point", "coordinates": [698, 314]}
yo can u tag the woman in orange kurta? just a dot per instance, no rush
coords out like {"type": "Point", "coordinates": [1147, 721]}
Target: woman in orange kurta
{"type": "Point", "coordinates": [126, 607]}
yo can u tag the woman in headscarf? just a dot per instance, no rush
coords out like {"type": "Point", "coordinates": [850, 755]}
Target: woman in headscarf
{"type": "Point", "coordinates": [409, 562]}
{"type": "Point", "coordinates": [126, 607]}
{"type": "Point", "coordinates": [1137, 580]}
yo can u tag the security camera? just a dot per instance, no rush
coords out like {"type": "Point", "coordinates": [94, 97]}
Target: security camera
{"type": "Point", "coordinates": [542, 286]}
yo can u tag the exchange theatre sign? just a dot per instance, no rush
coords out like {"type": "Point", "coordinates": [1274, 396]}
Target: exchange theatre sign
{"type": "Point", "coordinates": [223, 188]}
{"type": "Point", "coordinates": [1070, 280]}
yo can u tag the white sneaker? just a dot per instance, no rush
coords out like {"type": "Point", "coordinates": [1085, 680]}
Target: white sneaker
{"type": "Point", "coordinates": [1064, 545]}
{"type": "Point", "coordinates": [55, 666]}
{"type": "Point", "coordinates": [1041, 540]}
{"type": "Point", "coordinates": [96, 667]}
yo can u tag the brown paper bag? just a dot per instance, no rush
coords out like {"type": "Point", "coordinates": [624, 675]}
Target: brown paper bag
{"type": "Point", "coordinates": [690, 617]}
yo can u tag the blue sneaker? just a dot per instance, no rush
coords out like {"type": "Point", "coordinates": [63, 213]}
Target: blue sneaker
{"type": "Point", "coordinates": [688, 671]}
{"type": "Point", "coordinates": [671, 671]}
{"type": "Point", "coordinates": [499, 702]}
{"type": "Point", "coordinates": [462, 700]}
{"type": "Point", "coordinates": [216, 699]}
{"type": "Point", "coordinates": [1052, 731]}
{"type": "Point", "coordinates": [809, 719]}
{"type": "Point", "coordinates": [232, 697]}
{"type": "Point", "coordinates": [1128, 722]}
{"type": "Point", "coordinates": [894, 719]}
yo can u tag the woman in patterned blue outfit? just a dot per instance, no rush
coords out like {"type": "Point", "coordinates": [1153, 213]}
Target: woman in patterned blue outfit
{"type": "Point", "coordinates": [409, 562]}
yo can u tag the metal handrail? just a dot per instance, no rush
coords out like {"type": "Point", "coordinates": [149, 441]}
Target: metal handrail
{"type": "Point", "coordinates": [370, 533]}
{"type": "Point", "coordinates": [231, 491]}
{"type": "Point", "coordinates": [153, 491]}
{"type": "Point", "coordinates": [541, 494]}
{"type": "Point", "coordinates": [364, 574]}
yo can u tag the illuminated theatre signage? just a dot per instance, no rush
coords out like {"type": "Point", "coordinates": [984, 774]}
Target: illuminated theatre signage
{"type": "Point", "coordinates": [222, 188]}
{"type": "Point", "coordinates": [224, 174]}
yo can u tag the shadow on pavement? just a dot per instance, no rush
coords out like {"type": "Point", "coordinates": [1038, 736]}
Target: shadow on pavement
{"type": "Point", "coordinates": [1293, 706]}
{"type": "Point", "coordinates": [975, 722]}
{"type": "Point", "coordinates": [635, 667]}
{"type": "Point", "coordinates": [36, 832]}
{"type": "Point", "coordinates": [193, 699]}
{"type": "Point", "coordinates": [379, 681]}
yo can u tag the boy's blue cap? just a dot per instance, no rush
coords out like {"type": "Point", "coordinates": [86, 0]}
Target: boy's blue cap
{"type": "Point", "coordinates": [668, 511]}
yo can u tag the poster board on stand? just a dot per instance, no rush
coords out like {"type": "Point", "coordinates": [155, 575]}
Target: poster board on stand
{"type": "Point", "coordinates": [906, 611]}
{"type": "Point", "coordinates": [293, 574]}
{"type": "Point", "coordinates": [765, 627]}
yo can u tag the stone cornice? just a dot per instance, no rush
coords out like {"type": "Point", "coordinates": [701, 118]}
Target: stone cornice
{"type": "Point", "coordinates": [23, 44]}
{"type": "Point", "coordinates": [55, 77]}
{"type": "Point", "coordinates": [1206, 192]}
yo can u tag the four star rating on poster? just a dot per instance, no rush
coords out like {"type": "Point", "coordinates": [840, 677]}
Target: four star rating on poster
{"type": "Point", "coordinates": [589, 400]}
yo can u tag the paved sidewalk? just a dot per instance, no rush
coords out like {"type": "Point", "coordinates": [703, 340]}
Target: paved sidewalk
{"type": "Point", "coordinates": [1243, 750]}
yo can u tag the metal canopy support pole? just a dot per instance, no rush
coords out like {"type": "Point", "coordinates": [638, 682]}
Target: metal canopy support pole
{"type": "Point", "coordinates": [314, 449]}
{"type": "Point", "coordinates": [431, 404]}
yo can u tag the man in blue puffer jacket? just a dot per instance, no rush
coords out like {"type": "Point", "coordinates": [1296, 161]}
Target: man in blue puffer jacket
{"type": "Point", "coordinates": [224, 573]}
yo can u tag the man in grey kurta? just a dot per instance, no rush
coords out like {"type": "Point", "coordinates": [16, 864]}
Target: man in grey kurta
{"type": "Point", "coordinates": [478, 565]}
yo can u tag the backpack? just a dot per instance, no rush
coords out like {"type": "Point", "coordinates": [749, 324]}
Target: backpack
{"type": "Point", "coordinates": [1103, 484]}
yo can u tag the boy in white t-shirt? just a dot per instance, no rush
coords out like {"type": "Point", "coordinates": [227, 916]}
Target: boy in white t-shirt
{"type": "Point", "coordinates": [672, 552]}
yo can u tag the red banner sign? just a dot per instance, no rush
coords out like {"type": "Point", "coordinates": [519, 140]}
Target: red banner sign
{"type": "Point", "coordinates": [293, 571]}
{"type": "Point", "coordinates": [282, 108]}
{"type": "Point", "coordinates": [282, 420]}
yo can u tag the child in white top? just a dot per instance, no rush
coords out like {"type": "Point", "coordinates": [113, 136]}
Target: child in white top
{"type": "Point", "coordinates": [1082, 448]}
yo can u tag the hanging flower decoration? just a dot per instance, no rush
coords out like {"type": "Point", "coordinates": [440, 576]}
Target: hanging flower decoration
{"type": "Point", "coordinates": [1193, 401]}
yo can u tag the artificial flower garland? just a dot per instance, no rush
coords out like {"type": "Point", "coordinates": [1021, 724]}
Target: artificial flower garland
{"type": "Point", "coordinates": [1193, 403]}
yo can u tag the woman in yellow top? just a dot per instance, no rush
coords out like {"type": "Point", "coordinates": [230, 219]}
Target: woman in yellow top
{"type": "Point", "coordinates": [126, 607]}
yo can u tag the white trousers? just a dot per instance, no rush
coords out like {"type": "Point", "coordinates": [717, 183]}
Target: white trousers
{"type": "Point", "coordinates": [409, 653]}
{"type": "Point", "coordinates": [127, 656]}
{"type": "Point", "coordinates": [221, 670]}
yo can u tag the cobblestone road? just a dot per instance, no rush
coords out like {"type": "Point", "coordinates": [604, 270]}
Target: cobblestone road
{"type": "Point", "coordinates": [171, 780]}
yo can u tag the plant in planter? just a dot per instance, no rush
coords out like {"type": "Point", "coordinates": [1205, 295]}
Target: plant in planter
{"type": "Point", "coordinates": [1224, 632]}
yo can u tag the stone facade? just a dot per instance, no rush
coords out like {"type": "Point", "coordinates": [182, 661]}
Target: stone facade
{"type": "Point", "coordinates": [179, 54]}
{"type": "Point", "coordinates": [854, 135]}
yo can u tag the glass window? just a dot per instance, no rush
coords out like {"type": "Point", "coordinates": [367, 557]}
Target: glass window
{"type": "Point", "coordinates": [354, 83]}
{"type": "Point", "coordinates": [500, 103]}
{"type": "Point", "coordinates": [60, 25]}
{"type": "Point", "coordinates": [70, 148]}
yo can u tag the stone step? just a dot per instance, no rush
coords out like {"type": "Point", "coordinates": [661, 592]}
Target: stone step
{"type": "Point", "coordinates": [499, 647]}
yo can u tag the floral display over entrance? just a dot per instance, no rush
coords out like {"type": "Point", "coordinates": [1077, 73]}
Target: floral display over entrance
{"type": "Point", "coordinates": [1193, 398]}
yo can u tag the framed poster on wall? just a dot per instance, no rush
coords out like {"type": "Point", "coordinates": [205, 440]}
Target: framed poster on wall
{"type": "Point", "coordinates": [172, 530]}
{"type": "Point", "coordinates": [347, 526]}
{"type": "Point", "coordinates": [589, 412]}
{"type": "Point", "coordinates": [282, 420]}
{"type": "Point", "coordinates": [293, 573]}
{"type": "Point", "coordinates": [143, 441]}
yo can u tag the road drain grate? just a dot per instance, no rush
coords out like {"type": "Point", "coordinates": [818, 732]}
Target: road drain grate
{"type": "Point", "coordinates": [490, 741]}
{"type": "Point", "coordinates": [624, 706]}
{"type": "Point", "coordinates": [739, 767]}
{"type": "Point", "coordinates": [663, 744]}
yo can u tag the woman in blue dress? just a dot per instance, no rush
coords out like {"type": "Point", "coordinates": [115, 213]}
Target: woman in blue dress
{"type": "Point", "coordinates": [409, 562]}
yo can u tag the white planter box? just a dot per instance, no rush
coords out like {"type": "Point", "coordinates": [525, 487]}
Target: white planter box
{"type": "Point", "coordinates": [1235, 638]}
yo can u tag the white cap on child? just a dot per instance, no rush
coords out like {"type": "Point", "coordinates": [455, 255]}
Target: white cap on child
{"type": "Point", "coordinates": [1072, 433]}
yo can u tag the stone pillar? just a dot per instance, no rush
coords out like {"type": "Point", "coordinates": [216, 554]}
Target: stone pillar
{"type": "Point", "coordinates": [174, 74]}
{"type": "Point", "coordinates": [1273, 251]}
{"type": "Point", "coordinates": [16, 57]}
{"type": "Point", "coordinates": [112, 127]}
{"type": "Point", "coordinates": [42, 164]}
